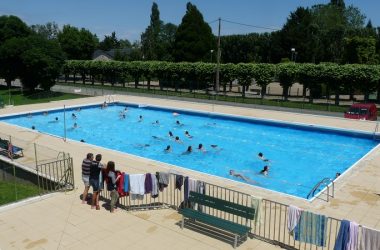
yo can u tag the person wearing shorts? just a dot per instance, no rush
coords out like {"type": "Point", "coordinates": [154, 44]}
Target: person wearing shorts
{"type": "Point", "coordinates": [86, 165]}
{"type": "Point", "coordinates": [95, 171]}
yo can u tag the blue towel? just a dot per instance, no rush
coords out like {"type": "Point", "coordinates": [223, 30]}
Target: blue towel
{"type": "Point", "coordinates": [343, 235]}
{"type": "Point", "coordinates": [126, 183]}
{"type": "Point", "coordinates": [311, 228]}
{"type": "Point", "coordinates": [186, 189]}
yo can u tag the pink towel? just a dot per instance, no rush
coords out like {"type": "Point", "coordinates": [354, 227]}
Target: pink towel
{"type": "Point", "coordinates": [353, 238]}
{"type": "Point", "coordinates": [294, 214]}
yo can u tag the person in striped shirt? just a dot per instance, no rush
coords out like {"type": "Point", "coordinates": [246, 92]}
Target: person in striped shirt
{"type": "Point", "coordinates": [86, 165]}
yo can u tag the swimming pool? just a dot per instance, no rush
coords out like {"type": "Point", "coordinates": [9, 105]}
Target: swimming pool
{"type": "Point", "coordinates": [300, 156]}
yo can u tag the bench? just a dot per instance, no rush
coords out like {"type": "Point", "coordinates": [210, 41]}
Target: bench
{"type": "Point", "coordinates": [10, 150]}
{"type": "Point", "coordinates": [226, 207]}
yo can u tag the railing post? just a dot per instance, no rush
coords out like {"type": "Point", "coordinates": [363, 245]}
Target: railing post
{"type": "Point", "coordinates": [38, 175]}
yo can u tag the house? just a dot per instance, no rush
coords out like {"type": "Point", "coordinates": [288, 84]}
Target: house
{"type": "Point", "coordinates": [102, 55]}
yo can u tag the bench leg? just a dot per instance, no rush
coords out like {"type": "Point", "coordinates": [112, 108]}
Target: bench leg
{"type": "Point", "coordinates": [183, 221]}
{"type": "Point", "coordinates": [235, 241]}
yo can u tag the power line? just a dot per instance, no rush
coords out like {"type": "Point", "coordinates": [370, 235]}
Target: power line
{"type": "Point", "coordinates": [213, 21]}
{"type": "Point", "coordinates": [249, 25]}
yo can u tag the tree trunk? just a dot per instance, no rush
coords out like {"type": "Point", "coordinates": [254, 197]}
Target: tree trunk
{"type": "Point", "coordinates": [263, 91]}
{"type": "Point", "coordinates": [304, 91]}
{"type": "Point", "coordinates": [337, 98]}
{"type": "Point", "coordinates": [285, 92]}
{"type": "Point", "coordinates": [243, 92]}
{"type": "Point", "coordinates": [176, 85]}
{"type": "Point", "coordinates": [225, 88]}
{"type": "Point", "coordinates": [136, 82]}
{"type": "Point", "coordinates": [75, 76]}
{"type": "Point", "coordinates": [310, 95]}
{"type": "Point", "coordinates": [148, 83]}
{"type": "Point", "coordinates": [93, 80]}
{"type": "Point", "coordinates": [83, 78]}
{"type": "Point", "coordinates": [9, 82]}
{"type": "Point", "coordinates": [366, 96]}
{"type": "Point", "coordinates": [66, 76]}
{"type": "Point", "coordinates": [160, 84]}
{"type": "Point", "coordinates": [230, 86]}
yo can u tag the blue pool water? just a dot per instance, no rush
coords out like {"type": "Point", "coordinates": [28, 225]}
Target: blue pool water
{"type": "Point", "coordinates": [300, 156]}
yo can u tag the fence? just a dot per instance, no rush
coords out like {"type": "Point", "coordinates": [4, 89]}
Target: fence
{"type": "Point", "coordinates": [272, 227]}
{"type": "Point", "coordinates": [29, 169]}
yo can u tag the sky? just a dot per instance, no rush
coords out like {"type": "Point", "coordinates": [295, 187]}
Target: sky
{"type": "Point", "coordinates": [129, 18]}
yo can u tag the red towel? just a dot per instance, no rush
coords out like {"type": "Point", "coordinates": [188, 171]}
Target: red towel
{"type": "Point", "coordinates": [120, 184]}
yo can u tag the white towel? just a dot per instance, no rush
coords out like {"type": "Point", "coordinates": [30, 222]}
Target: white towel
{"type": "Point", "coordinates": [353, 239]}
{"type": "Point", "coordinates": [154, 185]}
{"type": "Point", "coordinates": [256, 203]}
{"type": "Point", "coordinates": [192, 185]}
{"type": "Point", "coordinates": [370, 239]}
{"type": "Point", "coordinates": [137, 184]}
{"type": "Point", "coordinates": [294, 214]}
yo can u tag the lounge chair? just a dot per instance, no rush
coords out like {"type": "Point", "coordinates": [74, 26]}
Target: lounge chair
{"type": "Point", "coordinates": [10, 150]}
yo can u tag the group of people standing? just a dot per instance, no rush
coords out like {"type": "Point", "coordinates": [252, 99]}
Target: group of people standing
{"type": "Point", "coordinates": [92, 175]}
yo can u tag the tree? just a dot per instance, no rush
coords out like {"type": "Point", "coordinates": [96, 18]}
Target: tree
{"type": "Point", "coordinates": [150, 44]}
{"type": "Point", "coordinates": [110, 42]}
{"type": "Point", "coordinates": [264, 74]}
{"type": "Point", "coordinates": [77, 44]}
{"type": "Point", "coordinates": [42, 62]}
{"type": "Point", "coordinates": [287, 74]}
{"type": "Point", "coordinates": [12, 27]}
{"type": "Point", "coordinates": [49, 30]}
{"type": "Point", "coordinates": [338, 3]}
{"type": "Point", "coordinates": [360, 50]}
{"type": "Point", "coordinates": [194, 38]}
{"type": "Point", "coordinates": [167, 39]}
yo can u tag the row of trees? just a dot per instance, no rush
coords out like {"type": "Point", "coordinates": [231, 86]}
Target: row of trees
{"type": "Point", "coordinates": [338, 79]}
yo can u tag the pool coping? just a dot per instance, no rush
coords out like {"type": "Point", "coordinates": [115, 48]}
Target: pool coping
{"type": "Point", "coordinates": [272, 122]}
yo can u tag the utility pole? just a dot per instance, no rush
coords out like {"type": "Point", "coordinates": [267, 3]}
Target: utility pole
{"type": "Point", "coordinates": [218, 60]}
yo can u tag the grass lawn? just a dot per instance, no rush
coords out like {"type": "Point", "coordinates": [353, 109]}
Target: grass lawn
{"type": "Point", "coordinates": [8, 192]}
{"type": "Point", "coordinates": [39, 96]}
{"type": "Point", "coordinates": [235, 99]}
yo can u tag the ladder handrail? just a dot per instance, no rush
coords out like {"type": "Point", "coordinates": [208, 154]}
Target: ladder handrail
{"type": "Point", "coordinates": [325, 181]}
{"type": "Point", "coordinates": [376, 130]}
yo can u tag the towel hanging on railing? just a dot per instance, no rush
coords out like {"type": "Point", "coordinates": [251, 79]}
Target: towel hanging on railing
{"type": "Point", "coordinates": [294, 214]}
{"type": "Point", "coordinates": [370, 239]}
{"type": "Point", "coordinates": [256, 203]}
{"type": "Point", "coordinates": [311, 229]}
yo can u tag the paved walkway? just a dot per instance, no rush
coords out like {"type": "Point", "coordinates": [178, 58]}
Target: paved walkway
{"type": "Point", "coordinates": [61, 222]}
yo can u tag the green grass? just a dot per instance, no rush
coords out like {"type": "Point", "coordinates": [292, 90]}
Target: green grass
{"type": "Point", "coordinates": [11, 193]}
{"type": "Point", "coordinates": [18, 98]}
{"type": "Point", "coordinates": [234, 99]}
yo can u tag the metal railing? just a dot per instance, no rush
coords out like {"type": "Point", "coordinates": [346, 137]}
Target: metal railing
{"type": "Point", "coordinates": [329, 184]}
{"type": "Point", "coordinates": [271, 227]}
{"type": "Point", "coordinates": [376, 135]}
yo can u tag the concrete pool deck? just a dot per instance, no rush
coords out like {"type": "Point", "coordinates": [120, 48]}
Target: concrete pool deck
{"type": "Point", "coordinates": [60, 221]}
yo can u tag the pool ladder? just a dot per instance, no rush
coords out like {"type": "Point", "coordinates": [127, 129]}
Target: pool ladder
{"type": "Point", "coordinates": [109, 99]}
{"type": "Point", "coordinates": [329, 184]}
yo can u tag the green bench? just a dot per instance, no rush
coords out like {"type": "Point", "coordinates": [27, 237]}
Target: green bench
{"type": "Point", "coordinates": [226, 207]}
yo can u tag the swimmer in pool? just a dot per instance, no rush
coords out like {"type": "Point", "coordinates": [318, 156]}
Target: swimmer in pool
{"type": "Point", "coordinates": [168, 149]}
{"type": "Point", "coordinates": [55, 120]}
{"type": "Point", "coordinates": [244, 178]}
{"type": "Point", "coordinates": [265, 171]}
{"type": "Point", "coordinates": [188, 135]}
{"type": "Point", "coordinates": [157, 122]}
{"type": "Point", "coordinates": [261, 157]}
{"type": "Point", "coordinates": [171, 134]}
{"type": "Point", "coordinates": [201, 148]}
{"type": "Point", "coordinates": [73, 116]}
{"type": "Point", "coordinates": [140, 118]}
{"type": "Point", "coordinates": [75, 125]}
{"type": "Point", "coordinates": [78, 109]}
{"type": "Point", "coordinates": [177, 140]}
{"type": "Point", "coordinates": [178, 123]}
{"type": "Point", "coordinates": [45, 113]}
{"type": "Point", "coordinates": [188, 151]}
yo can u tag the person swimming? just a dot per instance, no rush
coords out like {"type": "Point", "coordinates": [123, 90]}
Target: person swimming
{"type": "Point", "coordinates": [33, 127]}
{"type": "Point", "coordinates": [104, 105]}
{"type": "Point", "coordinates": [171, 134]}
{"type": "Point", "coordinates": [140, 118]}
{"type": "Point", "coordinates": [73, 116]}
{"type": "Point", "coordinates": [75, 125]}
{"type": "Point", "coordinates": [234, 174]}
{"type": "Point", "coordinates": [177, 139]}
{"type": "Point", "coordinates": [187, 134]}
{"type": "Point", "coordinates": [265, 171]}
{"type": "Point", "coordinates": [168, 149]}
{"type": "Point", "coordinates": [188, 151]}
{"type": "Point", "coordinates": [157, 122]}
{"type": "Point", "coordinates": [178, 123]}
{"type": "Point", "coordinates": [175, 114]}
{"type": "Point", "coordinates": [82, 140]}
{"type": "Point", "coordinates": [78, 109]}
{"type": "Point", "coordinates": [201, 148]}
{"type": "Point", "coordinates": [45, 113]}
{"type": "Point", "coordinates": [55, 120]}
{"type": "Point", "coordinates": [142, 146]}
{"type": "Point", "coordinates": [261, 157]}
{"type": "Point", "coordinates": [123, 116]}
